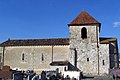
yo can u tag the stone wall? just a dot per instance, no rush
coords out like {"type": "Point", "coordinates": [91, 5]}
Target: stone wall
{"type": "Point", "coordinates": [104, 60]}
{"type": "Point", "coordinates": [33, 56]}
{"type": "Point", "coordinates": [87, 58]}
{"type": "Point", "coordinates": [87, 50]}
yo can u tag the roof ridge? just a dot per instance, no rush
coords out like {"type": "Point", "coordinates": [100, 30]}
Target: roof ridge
{"type": "Point", "coordinates": [36, 42]}
{"type": "Point", "coordinates": [36, 39]}
{"type": "Point", "coordinates": [84, 18]}
{"type": "Point", "coordinates": [108, 37]}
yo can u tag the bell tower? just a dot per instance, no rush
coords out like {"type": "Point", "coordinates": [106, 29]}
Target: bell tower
{"type": "Point", "coordinates": [84, 43]}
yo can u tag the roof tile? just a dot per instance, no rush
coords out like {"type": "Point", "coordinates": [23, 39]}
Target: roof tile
{"type": "Point", "coordinates": [36, 42]}
{"type": "Point", "coordinates": [44, 42]}
{"type": "Point", "coordinates": [84, 18]}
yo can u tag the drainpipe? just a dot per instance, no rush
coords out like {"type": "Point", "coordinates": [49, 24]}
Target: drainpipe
{"type": "Point", "coordinates": [97, 49]}
{"type": "Point", "coordinates": [75, 57]}
{"type": "Point", "coordinates": [3, 55]}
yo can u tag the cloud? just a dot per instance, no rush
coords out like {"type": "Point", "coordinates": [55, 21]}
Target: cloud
{"type": "Point", "coordinates": [116, 24]}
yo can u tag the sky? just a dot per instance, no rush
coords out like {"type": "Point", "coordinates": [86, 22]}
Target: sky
{"type": "Point", "coordinates": [32, 19]}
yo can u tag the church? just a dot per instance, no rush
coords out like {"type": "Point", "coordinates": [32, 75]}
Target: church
{"type": "Point", "coordinates": [83, 51]}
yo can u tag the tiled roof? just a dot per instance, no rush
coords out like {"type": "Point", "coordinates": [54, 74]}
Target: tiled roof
{"type": "Point", "coordinates": [43, 42]}
{"type": "Point", "coordinates": [83, 18]}
{"type": "Point", "coordinates": [36, 42]}
{"type": "Point", "coordinates": [107, 40]}
{"type": "Point", "coordinates": [59, 63]}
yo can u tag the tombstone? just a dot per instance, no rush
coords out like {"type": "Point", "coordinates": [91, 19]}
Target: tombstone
{"type": "Point", "coordinates": [57, 73]}
{"type": "Point", "coordinates": [36, 78]}
{"type": "Point", "coordinates": [73, 78]}
{"type": "Point", "coordinates": [31, 75]}
{"type": "Point", "coordinates": [57, 70]}
{"type": "Point", "coordinates": [67, 77]}
{"type": "Point", "coordinates": [53, 77]}
{"type": "Point", "coordinates": [43, 75]}
{"type": "Point", "coordinates": [17, 76]}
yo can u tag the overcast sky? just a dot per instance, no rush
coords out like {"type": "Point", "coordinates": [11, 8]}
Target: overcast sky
{"type": "Point", "coordinates": [26, 19]}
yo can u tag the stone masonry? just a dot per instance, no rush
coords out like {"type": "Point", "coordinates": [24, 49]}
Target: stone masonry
{"type": "Point", "coordinates": [84, 50]}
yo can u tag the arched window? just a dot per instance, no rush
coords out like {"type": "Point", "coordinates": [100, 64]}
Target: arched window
{"type": "Point", "coordinates": [42, 57]}
{"type": "Point", "coordinates": [83, 33]}
{"type": "Point", "coordinates": [23, 56]}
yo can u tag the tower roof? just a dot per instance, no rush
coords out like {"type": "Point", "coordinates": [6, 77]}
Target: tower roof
{"type": "Point", "coordinates": [83, 19]}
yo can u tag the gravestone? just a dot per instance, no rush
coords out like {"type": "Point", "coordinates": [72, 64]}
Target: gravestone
{"type": "Point", "coordinates": [43, 75]}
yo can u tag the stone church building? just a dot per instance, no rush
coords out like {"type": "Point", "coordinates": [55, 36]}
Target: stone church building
{"type": "Point", "coordinates": [84, 50]}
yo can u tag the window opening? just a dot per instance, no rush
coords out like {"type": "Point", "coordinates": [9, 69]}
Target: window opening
{"type": "Point", "coordinates": [103, 62]}
{"type": "Point", "coordinates": [83, 33]}
{"type": "Point", "coordinates": [23, 56]}
{"type": "Point", "coordinates": [87, 59]}
{"type": "Point", "coordinates": [42, 57]}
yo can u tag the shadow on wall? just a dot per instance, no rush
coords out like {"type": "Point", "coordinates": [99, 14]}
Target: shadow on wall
{"type": "Point", "coordinates": [72, 67]}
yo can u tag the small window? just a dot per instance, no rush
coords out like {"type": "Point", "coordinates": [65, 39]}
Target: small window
{"type": "Point", "coordinates": [83, 33]}
{"type": "Point", "coordinates": [103, 62]}
{"type": "Point", "coordinates": [87, 59]}
{"type": "Point", "coordinates": [23, 56]}
{"type": "Point", "coordinates": [42, 57]}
